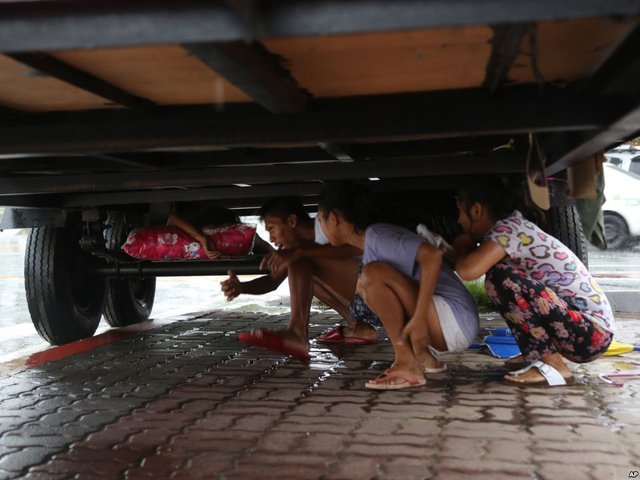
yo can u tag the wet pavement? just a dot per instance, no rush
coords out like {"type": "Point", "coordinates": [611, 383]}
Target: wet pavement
{"type": "Point", "coordinates": [183, 399]}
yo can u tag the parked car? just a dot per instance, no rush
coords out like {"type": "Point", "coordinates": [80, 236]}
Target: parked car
{"type": "Point", "coordinates": [622, 206]}
{"type": "Point", "coordinates": [626, 157]}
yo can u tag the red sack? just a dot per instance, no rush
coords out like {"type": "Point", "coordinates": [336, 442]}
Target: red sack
{"type": "Point", "coordinates": [172, 243]}
{"type": "Point", "coordinates": [234, 239]}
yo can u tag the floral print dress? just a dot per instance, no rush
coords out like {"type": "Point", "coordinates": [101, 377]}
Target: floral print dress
{"type": "Point", "coordinates": [547, 296]}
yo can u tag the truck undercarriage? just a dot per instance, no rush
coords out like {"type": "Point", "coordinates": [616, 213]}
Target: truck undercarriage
{"type": "Point", "coordinates": [111, 111]}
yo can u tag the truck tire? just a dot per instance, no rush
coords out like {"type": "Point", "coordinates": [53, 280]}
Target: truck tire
{"type": "Point", "coordinates": [616, 231]}
{"type": "Point", "coordinates": [65, 299]}
{"type": "Point", "coordinates": [563, 222]}
{"type": "Point", "coordinates": [129, 300]}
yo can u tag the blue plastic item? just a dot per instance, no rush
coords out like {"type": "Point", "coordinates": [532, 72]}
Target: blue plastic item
{"type": "Point", "coordinates": [501, 343]}
{"type": "Point", "coordinates": [499, 349]}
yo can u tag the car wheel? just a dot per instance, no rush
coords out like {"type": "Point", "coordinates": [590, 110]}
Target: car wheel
{"type": "Point", "coordinates": [563, 222]}
{"type": "Point", "coordinates": [64, 297]}
{"type": "Point", "coordinates": [616, 231]}
{"type": "Point", "coordinates": [129, 300]}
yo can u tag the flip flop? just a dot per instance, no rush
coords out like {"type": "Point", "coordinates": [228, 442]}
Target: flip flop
{"type": "Point", "coordinates": [274, 342]}
{"type": "Point", "coordinates": [552, 377]}
{"type": "Point", "coordinates": [336, 335]}
{"type": "Point", "coordinates": [436, 354]}
{"type": "Point", "coordinates": [435, 370]}
{"type": "Point", "coordinates": [410, 380]}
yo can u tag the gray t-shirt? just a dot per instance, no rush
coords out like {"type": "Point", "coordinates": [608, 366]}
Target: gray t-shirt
{"type": "Point", "coordinates": [398, 247]}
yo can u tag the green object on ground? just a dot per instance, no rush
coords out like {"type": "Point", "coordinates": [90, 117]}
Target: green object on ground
{"type": "Point", "coordinates": [479, 294]}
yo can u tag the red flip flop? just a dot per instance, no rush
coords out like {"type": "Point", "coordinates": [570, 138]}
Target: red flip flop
{"type": "Point", "coordinates": [336, 335]}
{"type": "Point", "coordinates": [274, 342]}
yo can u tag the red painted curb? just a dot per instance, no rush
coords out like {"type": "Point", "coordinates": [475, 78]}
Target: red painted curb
{"type": "Point", "coordinates": [57, 353]}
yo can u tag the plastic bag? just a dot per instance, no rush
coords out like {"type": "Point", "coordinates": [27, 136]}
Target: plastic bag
{"type": "Point", "coordinates": [173, 243]}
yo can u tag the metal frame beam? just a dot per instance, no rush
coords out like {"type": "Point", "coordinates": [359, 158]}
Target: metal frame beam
{"type": "Point", "coordinates": [448, 118]}
{"type": "Point", "coordinates": [161, 160]}
{"type": "Point", "coordinates": [231, 196]}
{"type": "Point", "coordinates": [259, 74]}
{"type": "Point", "coordinates": [252, 69]}
{"type": "Point", "coordinates": [435, 166]}
{"type": "Point", "coordinates": [506, 44]}
{"type": "Point", "coordinates": [80, 79]}
{"type": "Point", "coordinates": [619, 75]}
{"type": "Point", "coordinates": [68, 24]}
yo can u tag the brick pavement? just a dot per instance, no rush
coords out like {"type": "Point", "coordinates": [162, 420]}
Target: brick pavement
{"type": "Point", "coordinates": [187, 401]}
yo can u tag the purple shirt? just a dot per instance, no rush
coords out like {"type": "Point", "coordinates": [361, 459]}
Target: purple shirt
{"type": "Point", "coordinates": [398, 247]}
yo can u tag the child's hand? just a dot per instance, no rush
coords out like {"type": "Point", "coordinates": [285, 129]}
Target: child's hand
{"type": "Point", "coordinates": [231, 287]}
{"type": "Point", "coordinates": [416, 329]}
{"type": "Point", "coordinates": [210, 252]}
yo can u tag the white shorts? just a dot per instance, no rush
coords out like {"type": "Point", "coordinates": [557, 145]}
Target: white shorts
{"type": "Point", "coordinates": [453, 335]}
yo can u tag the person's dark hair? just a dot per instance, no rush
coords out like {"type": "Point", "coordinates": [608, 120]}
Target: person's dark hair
{"type": "Point", "coordinates": [282, 207]}
{"type": "Point", "coordinates": [494, 192]}
{"type": "Point", "coordinates": [351, 199]}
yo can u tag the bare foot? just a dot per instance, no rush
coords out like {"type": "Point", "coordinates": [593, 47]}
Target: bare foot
{"type": "Point", "coordinates": [515, 363]}
{"type": "Point", "coordinates": [361, 330]}
{"type": "Point", "coordinates": [289, 338]}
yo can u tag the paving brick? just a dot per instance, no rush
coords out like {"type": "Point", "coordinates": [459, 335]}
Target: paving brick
{"type": "Point", "coordinates": [283, 442]}
{"type": "Point", "coordinates": [413, 451]}
{"type": "Point", "coordinates": [23, 458]}
{"type": "Point", "coordinates": [311, 409]}
{"type": "Point", "coordinates": [350, 410]}
{"type": "Point", "coordinates": [407, 468]}
{"type": "Point", "coordinates": [446, 474]}
{"type": "Point", "coordinates": [375, 425]}
{"type": "Point", "coordinates": [564, 421]}
{"type": "Point", "coordinates": [402, 411]}
{"type": "Point", "coordinates": [155, 466]}
{"type": "Point", "coordinates": [459, 428]}
{"type": "Point", "coordinates": [600, 433]}
{"type": "Point", "coordinates": [255, 423]}
{"type": "Point", "coordinates": [283, 472]}
{"type": "Point", "coordinates": [579, 457]}
{"type": "Point", "coordinates": [503, 414]}
{"type": "Point", "coordinates": [557, 433]}
{"type": "Point", "coordinates": [204, 466]}
{"type": "Point", "coordinates": [108, 437]}
{"type": "Point", "coordinates": [457, 468]}
{"type": "Point", "coordinates": [37, 476]}
{"type": "Point", "coordinates": [553, 471]}
{"type": "Point", "coordinates": [59, 418]}
{"type": "Point", "coordinates": [317, 427]}
{"type": "Point", "coordinates": [506, 451]}
{"type": "Point", "coordinates": [355, 468]}
{"type": "Point", "coordinates": [562, 412]}
{"type": "Point", "coordinates": [17, 440]}
{"type": "Point", "coordinates": [418, 426]}
{"type": "Point", "coordinates": [463, 412]}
